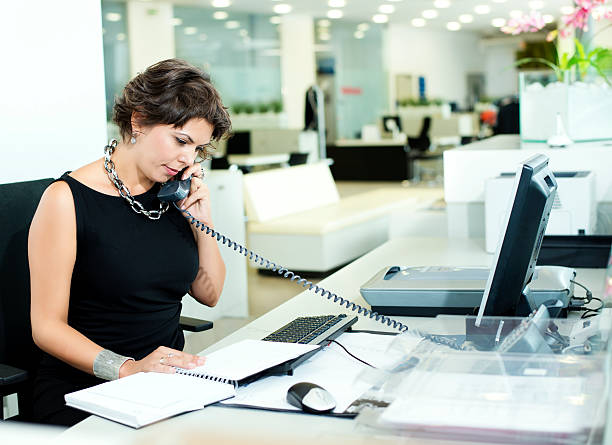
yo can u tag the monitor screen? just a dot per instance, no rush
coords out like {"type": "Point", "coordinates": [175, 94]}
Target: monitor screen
{"type": "Point", "coordinates": [391, 123]}
{"type": "Point", "coordinates": [517, 251]}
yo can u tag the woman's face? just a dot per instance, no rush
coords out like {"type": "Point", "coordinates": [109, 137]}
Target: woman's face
{"type": "Point", "coordinates": [165, 150]}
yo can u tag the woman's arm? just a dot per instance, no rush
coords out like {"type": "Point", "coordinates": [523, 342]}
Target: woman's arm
{"type": "Point", "coordinates": [52, 254]}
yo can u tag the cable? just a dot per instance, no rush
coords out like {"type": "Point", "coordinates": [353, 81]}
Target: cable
{"type": "Point", "coordinates": [592, 312]}
{"type": "Point", "coordinates": [355, 357]}
{"type": "Point", "coordinates": [589, 294]}
{"type": "Point", "coordinates": [286, 273]}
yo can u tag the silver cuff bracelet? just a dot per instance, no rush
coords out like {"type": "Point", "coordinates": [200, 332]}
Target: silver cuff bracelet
{"type": "Point", "coordinates": [107, 363]}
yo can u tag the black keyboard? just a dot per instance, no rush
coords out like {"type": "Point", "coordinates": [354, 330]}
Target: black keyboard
{"type": "Point", "coordinates": [307, 330]}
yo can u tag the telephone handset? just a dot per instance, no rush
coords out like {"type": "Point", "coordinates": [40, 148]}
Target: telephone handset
{"type": "Point", "coordinates": [173, 191]}
{"type": "Point", "coordinates": [176, 190]}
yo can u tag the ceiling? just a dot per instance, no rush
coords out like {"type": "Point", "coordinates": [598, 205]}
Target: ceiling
{"type": "Point", "coordinates": [404, 10]}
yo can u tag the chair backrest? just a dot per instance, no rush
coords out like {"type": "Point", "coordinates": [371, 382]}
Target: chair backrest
{"type": "Point", "coordinates": [297, 158]}
{"type": "Point", "coordinates": [425, 127]}
{"type": "Point", "coordinates": [18, 202]}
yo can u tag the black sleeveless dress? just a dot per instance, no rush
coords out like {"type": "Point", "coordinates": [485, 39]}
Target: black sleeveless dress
{"type": "Point", "coordinates": [127, 284]}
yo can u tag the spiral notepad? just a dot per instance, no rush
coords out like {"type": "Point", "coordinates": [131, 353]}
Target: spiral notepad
{"type": "Point", "coordinates": [135, 400]}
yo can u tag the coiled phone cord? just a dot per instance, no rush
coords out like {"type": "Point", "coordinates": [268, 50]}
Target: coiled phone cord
{"type": "Point", "coordinates": [286, 273]}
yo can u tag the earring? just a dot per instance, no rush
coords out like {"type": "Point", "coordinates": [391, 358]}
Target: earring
{"type": "Point", "coordinates": [133, 140]}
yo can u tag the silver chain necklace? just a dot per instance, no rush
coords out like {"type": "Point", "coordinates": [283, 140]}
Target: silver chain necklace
{"type": "Point", "coordinates": [109, 166]}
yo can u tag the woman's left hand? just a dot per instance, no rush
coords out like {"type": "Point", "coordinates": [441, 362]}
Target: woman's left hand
{"type": "Point", "coordinates": [198, 200]}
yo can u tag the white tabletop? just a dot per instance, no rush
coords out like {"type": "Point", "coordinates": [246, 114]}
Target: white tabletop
{"type": "Point", "coordinates": [253, 160]}
{"type": "Point", "coordinates": [218, 421]}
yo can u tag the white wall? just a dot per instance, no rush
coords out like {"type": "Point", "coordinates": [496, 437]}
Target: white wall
{"type": "Point", "coordinates": [52, 112]}
{"type": "Point", "coordinates": [443, 57]}
{"type": "Point", "coordinates": [150, 33]}
{"type": "Point", "coordinates": [500, 74]}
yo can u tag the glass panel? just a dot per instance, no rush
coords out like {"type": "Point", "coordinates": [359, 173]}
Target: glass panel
{"type": "Point", "coordinates": [241, 53]}
{"type": "Point", "coordinates": [116, 53]}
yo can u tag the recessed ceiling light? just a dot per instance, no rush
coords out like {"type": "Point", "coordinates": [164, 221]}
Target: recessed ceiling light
{"type": "Point", "coordinates": [430, 13]}
{"type": "Point", "coordinates": [190, 30]}
{"type": "Point", "coordinates": [324, 36]}
{"type": "Point", "coordinates": [275, 20]}
{"type": "Point", "coordinates": [380, 18]}
{"type": "Point", "coordinates": [500, 1]}
{"type": "Point", "coordinates": [516, 13]}
{"type": "Point", "coordinates": [220, 3]}
{"type": "Point", "coordinates": [177, 22]}
{"type": "Point", "coordinates": [453, 26]}
{"type": "Point", "coordinates": [548, 18]}
{"type": "Point", "coordinates": [202, 37]}
{"type": "Point", "coordinates": [282, 8]}
{"type": "Point", "coordinates": [243, 33]}
{"type": "Point", "coordinates": [442, 4]}
{"type": "Point", "coordinates": [334, 14]}
{"type": "Point", "coordinates": [324, 23]}
{"type": "Point", "coordinates": [386, 9]}
{"type": "Point", "coordinates": [498, 22]}
{"type": "Point", "coordinates": [336, 3]}
{"type": "Point", "coordinates": [232, 24]}
{"type": "Point", "coordinates": [418, 22]}
{"type": "Point", "coordinates": [359, 34]}
{"type": "Point", "coordinates": [536, 4]}
{"type": "Point", "coordinates": [220, 15]}
{"type": "Point", "coordinates": [113, 16]}
{"type": "Point", "coordinates": [482, 9]}
{"type": "Point", "coordinates": [363, 26]}
{"type": "Point", "coordinates": [565, 10]}
{"type": "Point", "coordinates": [466, 18]}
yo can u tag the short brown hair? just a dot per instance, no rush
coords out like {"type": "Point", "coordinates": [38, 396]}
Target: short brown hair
{"type": "Point", "coordinates": [171, 92]}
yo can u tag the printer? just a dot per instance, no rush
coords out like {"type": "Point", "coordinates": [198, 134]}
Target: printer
{"type": "Point", "coordinates": [432, 290]}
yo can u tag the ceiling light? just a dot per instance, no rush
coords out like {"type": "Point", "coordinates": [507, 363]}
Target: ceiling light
{"type": "Point", "coordinates": [282, 8]}
{"type": "Point", "coordinates": [548, 18]}
{"type": "Point", "coordinates": [121, 36]}
{"type": "Point", "coordinates": [190, 30]}
{"type": "Point", "coordinates": [334, 14]}
{"type": "Point", "coordinates": [220, 15]}
{"type": "Point", "coordinates": [566, 10]}
{"type": "Point", "coordinates": [453, 26]}
{"type": "Point", "coordinates": [275, 20]}
{"type": "Point", "coordinates": [359, 34]}
{"type": "Point", "coordinates": [430, 13]}
{"type": "Point", "coordinates": [243, 33]}
{"type": "Point", "coordinates": [177, 22]}
{"type": "Point", "coordinates": [386, 9]}
{"type": "Point", "coordinates": [363, 27]}
{"type": "Point", "coordinates": [498, 22]}
{"type": "Point", "coordinates": [113, 16]}
{"type": "Point", "coordinates": [536, 4]}
{"type": "Point", "coordinates": [516, 13]}
{"type": "Point", "coordinates": [324, 23]}
{"type": "Point", "coordinates": [482, 9]}
{"type": "Point", "coordinates": [336, 3]}
{"type": "Point", "coordinates": [442, 4]}
{"type": "Point", "coordinates": [380, 18]}
{"type": "Point", "coordinates": [232, 24]}
{"type": "Point", "coordinates": [202, 37]}
{"type": "Point", "coordinates": [466, 18]}
{"type": "Point", "coordinates": [499, 1]}
{"type": "Point", "coordinates": [418, 22]}
{"type": "Point", "coordinates": [324, 36]}
{"type": "Point", "coordinates": [220, 3]}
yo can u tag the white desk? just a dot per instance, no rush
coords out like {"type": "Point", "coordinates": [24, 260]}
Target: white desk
{"type": "Point", "coordinates": [276, 427]}
{"type": "Point", "coordinates": [258, 160]}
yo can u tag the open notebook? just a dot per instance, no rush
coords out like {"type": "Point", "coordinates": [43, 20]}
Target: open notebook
{"type": "Point", "coordinates": [144, 398]}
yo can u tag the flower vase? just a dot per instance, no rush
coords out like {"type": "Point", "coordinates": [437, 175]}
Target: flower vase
{"type": "Point", "coordinates": [584, 107]}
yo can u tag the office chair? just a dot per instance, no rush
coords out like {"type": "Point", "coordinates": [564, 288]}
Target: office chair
{"type": "Point", "coordinates": [417, 150]}
{"type": "Point", "coordinates": [508, 118]}
{"type": "Point", "coordinates": [421, 142]}
{"type": "Point", "coordinates": [19, 355]}
{"type": "Point", "coordinates": [297, 158]}
{"type": "Point", "coordinates": [220, 163]}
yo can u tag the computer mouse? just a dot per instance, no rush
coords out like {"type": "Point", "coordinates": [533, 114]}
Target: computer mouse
{"type": "Point", "coordinates": [311, 398]}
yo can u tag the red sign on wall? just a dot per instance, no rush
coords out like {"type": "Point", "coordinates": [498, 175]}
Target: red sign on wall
{"type": "Point", "coordinates": [355, 91]}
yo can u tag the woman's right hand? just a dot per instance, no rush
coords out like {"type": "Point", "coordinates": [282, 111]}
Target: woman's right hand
{"type": "Point", "coordinates": [164, 360]}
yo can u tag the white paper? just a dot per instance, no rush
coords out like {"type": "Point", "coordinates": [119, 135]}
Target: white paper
{"type": "Point", "coordinates": [249, 357]}
{"type": "Point", "coordinates": [332, 369]}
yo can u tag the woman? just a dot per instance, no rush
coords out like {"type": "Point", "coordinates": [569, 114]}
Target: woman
{"type": "Point", "coordinates": [109, 263]}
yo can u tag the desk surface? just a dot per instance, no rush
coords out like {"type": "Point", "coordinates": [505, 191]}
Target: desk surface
{"type": "Point", "coordinates": [217, 421]}
{"type": "Point", "coordinates": [253, 160]}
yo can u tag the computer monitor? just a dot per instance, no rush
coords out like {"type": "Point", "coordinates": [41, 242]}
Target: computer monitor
{"type": "Point", "coordinates": [517, 253]}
